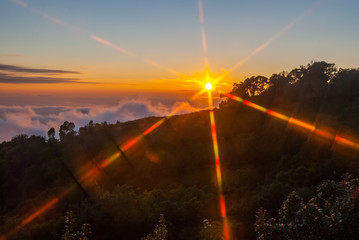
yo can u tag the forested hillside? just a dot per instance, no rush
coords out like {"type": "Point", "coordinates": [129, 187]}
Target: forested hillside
{"type": "Point", "coordinates": [121, 193]}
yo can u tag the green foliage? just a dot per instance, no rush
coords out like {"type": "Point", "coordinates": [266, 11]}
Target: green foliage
{"type": "Point", "coordinates": [160, 231]}
{"type": "Point", "coordinates": [332, 213]}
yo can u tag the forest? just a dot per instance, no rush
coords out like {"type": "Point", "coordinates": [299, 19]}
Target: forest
{"type": "Point", "coordinates": [280, 180]}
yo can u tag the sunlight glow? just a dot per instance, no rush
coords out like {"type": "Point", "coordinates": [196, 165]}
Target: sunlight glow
{"type": "Point", "coordinates": [131, 142]}
{"type": "Point", "coordinates": [208, 86]}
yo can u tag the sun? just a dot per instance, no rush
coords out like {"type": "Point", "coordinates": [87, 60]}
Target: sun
{"type": "Point", "coordinates": [208, 86]}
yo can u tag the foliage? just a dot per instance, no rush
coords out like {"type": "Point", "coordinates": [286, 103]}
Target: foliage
{"type": "Point", "coordinates": [332, 213]}
{"type": "Point", "coordinates": [66, 130]}
{"type": "Point", "coordinates": [51, 134]}
{"type": "Point", "coordinates": [70, 231]}
{"type": "Point", "coordinates": [211, 230]}
{"type": "Point", "coordinates": [160, 231]}
{"type": "Point", "coordinates": [250, 86]}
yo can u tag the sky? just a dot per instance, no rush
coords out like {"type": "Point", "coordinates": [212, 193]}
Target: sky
{"type": "Point", "coordinates": [121, 60]}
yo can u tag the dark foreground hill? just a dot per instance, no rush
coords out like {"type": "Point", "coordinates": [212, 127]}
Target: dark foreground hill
{"type": "Point", "coordinates": [121, 191]}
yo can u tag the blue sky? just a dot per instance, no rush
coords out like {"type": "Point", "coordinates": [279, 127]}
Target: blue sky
{"type": "Point", "coordinates": [169, 32]}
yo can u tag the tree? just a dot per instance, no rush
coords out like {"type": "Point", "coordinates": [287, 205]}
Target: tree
{"type": "Point", "coordinates": [250, 86]}
{"type": "Point", "coordinates": [70, 233]}
{"type": "Point", "coordinates": [314, 75]}
{"type": "Point", "coordinates": [19, 139]}
{"type": "Point", "coordinates": [160, 231]}
{"type": "Point", "coordinates": [280, 80]}
{"type": "Point", "coordinates": [51, 134]}
{"type": "Point", "coordinates": [333, 213]}
{"type": "Point", "coordinates": [66, 129]}
{"type": "Point", "coordinates": [211, 230]}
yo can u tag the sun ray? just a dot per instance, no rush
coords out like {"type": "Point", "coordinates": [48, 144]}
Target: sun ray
{"type": "Point", "coordinates": [97, 38]}
{"type": "Point", "coordinates": [49, 18]}
{"type": "Point", "coordinates": [222, 202]}
{"type": "Point", "coordinates": [204, 40]}
{"type": "Point", "coordinates": [95, 171]}
{"type": "Point", "coordinates": [263, 45]}
{"type": "Point", "coordinates": [208, 86]}
{"type": "Point", "coordinates": [131, 54]}
{"type": "Point", "coordinates": [310, 127]}
{"type": "Point", "coordinates": [271, 39]}
{"type": "Point", "coordinates": [130, 143]}
{"type": "Point", "coordinates": [37, 213]}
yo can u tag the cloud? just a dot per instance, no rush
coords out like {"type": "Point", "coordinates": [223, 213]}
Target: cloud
{"type": "Point", "coordinates": [37, 120]}
{"type": "Point", "coordinates": [6, 78]}
{"type": "Point", "coordinates": [12, 68]}
{"type": "Point", "coordinates": [11, 74]}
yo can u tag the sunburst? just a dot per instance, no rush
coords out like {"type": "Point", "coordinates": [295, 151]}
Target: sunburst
{"type": "Point", "coordinates": [208, 85]}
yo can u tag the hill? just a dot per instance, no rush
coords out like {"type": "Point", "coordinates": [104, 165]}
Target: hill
{"type": "Point", "coordinates": [121, 189]}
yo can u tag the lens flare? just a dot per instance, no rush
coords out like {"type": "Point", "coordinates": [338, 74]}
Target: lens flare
{"type": "Point", "coordinates": [37, 213]}
{"type": "Point", "coordinates": [96, 38]}
{"type": "Point", "coordinates": [333, 137]}
{"type": "Point", "coordinates": [131, 54]}
{"type": "Point", "coordinates": [222, 202]}
{"type": "Point", "coordinates": [204, 40]}
{"type": "Point", "coordinates": [130, 143]}
{"type": "Point", "coordinates": [261, 47]}
{"type": "Point", "coordinates": [94, 172]}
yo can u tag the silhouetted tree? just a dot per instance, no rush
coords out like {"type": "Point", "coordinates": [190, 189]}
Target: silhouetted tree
{"type": "Point", "coordinates": [66, 129]}
{"type": "Point", "coordinates": [250, 86]}
{"type": "Point", "coordinates": [51, 134]}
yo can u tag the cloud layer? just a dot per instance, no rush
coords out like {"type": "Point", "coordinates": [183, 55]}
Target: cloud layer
{"type": "Point", "coordinates": [13, 68]}
{"type": "Point", "coordinates": [6, 78]}
{"type": "Point", "coordinates": [37, 120]}
{"type": "Point", "coordinates": [11, 74]}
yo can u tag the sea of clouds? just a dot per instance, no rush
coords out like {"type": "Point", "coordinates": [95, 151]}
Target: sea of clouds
{"type": "Point", "coordinates": [37, 120]}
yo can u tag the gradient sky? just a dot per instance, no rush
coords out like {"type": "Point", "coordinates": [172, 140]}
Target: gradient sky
{"type": "Point", "coordinates": [51, 51]}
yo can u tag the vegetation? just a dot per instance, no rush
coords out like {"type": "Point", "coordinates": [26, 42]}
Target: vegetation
{"type": "Point", "coordinates": [332, 213]}
{"type": "Point", "coordinates": [172, 170]}
{"type": "Point", "coordinates": [160, 231]}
